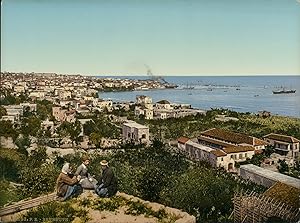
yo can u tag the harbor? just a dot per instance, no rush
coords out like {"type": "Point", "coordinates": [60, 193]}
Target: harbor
{"type": "Point", "coordinates": [254, 94]}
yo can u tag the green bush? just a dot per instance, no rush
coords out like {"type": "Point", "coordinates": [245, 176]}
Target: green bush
{"type": "Point", "coordinates": [55, 212]}
{"type": "Point", "coordinates": [11, 162]}
{"type": "Point", "coordinates": [204, 192]}
{"type": "Point", "coordinates": [39, 180]}
{"type": "Point", "coordinates": [8, 193]}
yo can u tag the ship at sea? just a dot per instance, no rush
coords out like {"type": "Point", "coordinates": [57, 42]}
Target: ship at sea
{"type": "Point", "coordinates": [159, 79]}
{"type": "Point", "coordinates": [284, 91]}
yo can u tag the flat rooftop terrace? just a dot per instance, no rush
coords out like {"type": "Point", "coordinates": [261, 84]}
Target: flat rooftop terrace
{"type": "Point", "coordinates": [294, 182]}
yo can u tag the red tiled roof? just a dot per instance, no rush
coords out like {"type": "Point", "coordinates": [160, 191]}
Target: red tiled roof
{"type": "Point", "coordinates": [183, 140]}
{"type": "Point", "coordinates": [259, 142]}
{"type": "Point", "coordinates": [238, 149]}
{"type": "Point", "coordinates": [282, 138]}
{"type": "Point", "coordinates": [218, 152]}
{"type": "Point", "coordinates": [214, 141]}
{"type": "Point", "coordinates": [233, 137]}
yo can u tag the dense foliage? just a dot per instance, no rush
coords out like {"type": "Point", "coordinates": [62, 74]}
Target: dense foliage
{"type": "Point", "coordinates": [99, 128]}
{"type": "Point", "coordinates": [155, 173]}
{"type": "Point", "coordinates": [191, 126]}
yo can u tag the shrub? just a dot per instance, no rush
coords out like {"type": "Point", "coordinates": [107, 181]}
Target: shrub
{"type": "Point", "coordinates": [39, 180]}
{"type": "Point", "coordinates": [55, 212]}
{"type": "Point", "coordinates": [10, 164]}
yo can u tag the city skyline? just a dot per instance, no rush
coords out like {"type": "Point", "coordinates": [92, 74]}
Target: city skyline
{"type": "Point", "coordinates": [172, 37]}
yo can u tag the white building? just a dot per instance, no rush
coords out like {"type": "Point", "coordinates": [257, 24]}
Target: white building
{"type": "Point", "coordinates": [135, 132]}
{"type": "Point", "coordinates": [19, 89]}
{"type": "Point", "coordinates": [141, 110]}
{"type": "Point", "coordinates": [219, 138]}
{"type": "Point", "coordinates": [15, 111]}
{"type": "Point", "coordinates": [266, 177]}
{"type": "Point", "coordinates": [37, 94]}
{"type": "Point", "coordinates": [284, 145]}
{"type": "Point", "coordinates": [225, 157]}
{"type": "Point", "coordinates": [163, 104]}
{"type": "Point", "coordinates": [142, 100]}
{"type": "Point", "coordinates": [10, 118]}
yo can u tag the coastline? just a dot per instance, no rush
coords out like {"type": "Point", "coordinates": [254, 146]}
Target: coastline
{"type": "Point", "coordinates": [249, 98]}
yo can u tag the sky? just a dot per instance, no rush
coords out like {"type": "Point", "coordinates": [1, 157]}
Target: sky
{"type": "Point", "coordinates": [172, 37]}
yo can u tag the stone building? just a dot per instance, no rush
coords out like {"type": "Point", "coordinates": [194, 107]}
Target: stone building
{"type": "Point", "coordinates": [134, 132]}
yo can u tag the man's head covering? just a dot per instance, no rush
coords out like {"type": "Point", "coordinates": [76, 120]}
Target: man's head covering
{"type": "Point", "coordinates": [84, 158]}
{"type": "Point", "coordinates": [66, 168]}
{"type": "Point", "coordinates": [104, 163]}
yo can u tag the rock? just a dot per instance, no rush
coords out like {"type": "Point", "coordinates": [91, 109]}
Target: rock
{"type": "Point", "coordinates": [77, 220]}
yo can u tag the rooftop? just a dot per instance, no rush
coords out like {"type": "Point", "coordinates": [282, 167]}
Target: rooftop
{"type": "Point", "coordinates": [238, 149]}
{"type": "Point", "coordinates": [233, 137]}
{"type": "Point", "coordinates": [197, 145]}
{"type": "Point", "coordinates": [218, 152]}
{"type": "Point", "coordinates": [163, 102]}
{"type": "Point", "coordinates": [135, 125]}
{"type": "Point", "coordinates": [291, 181]}
{"type": "Point", "coordinates": [282, 138]}
{"type": "Point", "coordinates": [183, 139]}
{"type": "Point", "coordinates": [285, 193]}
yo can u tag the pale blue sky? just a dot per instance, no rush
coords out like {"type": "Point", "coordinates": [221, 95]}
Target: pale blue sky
{"type": "Point", "coordinates": [117, 37]}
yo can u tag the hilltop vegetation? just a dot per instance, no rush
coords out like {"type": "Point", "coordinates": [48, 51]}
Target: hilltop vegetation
{"type": "Point", "coordinates": [248, 123]}
{"type": "Point", "coordinates": [155, 174]}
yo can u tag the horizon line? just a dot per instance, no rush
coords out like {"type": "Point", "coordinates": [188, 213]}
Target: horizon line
{"type": "Point", "coordinates": [141, 74]}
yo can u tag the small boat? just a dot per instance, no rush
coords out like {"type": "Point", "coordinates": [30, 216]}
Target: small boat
{"type": "Point", "coordinates": [256, 95]}
{"type": "Point", "coordinates": [284, 92]}
{"type": "Point", "coordinates": [209, 89]}
{"type": "Point", "coordinates": [237, 89]}
{"type": "Point", "coordinates": [188, 87]}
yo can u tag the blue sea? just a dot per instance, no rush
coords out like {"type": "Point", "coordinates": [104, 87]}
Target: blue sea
{"type": "Point", "coordinates": [238, 93]}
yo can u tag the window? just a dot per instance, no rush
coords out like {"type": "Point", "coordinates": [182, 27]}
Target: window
{"type": "Point", "coordinates": [231, 156]}
{"type": "Point", "coordinates": [240, 156]}
{"type": "Point", "coordinates": [144, 136]}
{"type": "Point", "coordinates": [246, 154]}
{"type": "Point", "coordinates": [222, 159]}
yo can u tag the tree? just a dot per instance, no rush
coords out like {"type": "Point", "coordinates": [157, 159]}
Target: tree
{"type": "Point", "coordinates": [269, 150]}
{"type": "Point", "coordinates": [283, 166]}
{"type": "Point", "coordinates": [70, 129]}
{"type": "Point", "coordinates": [74, 131]}
{"type": "Point", "coordinates": [23, 143]}
{"type": "Point", "coordinates": [11, 162]}
{"type": "Point", "coordinates": [7, 129]}
{"type": "Point", "coordinates": [44, 109]}
{"type": "Point", "coordinates": [96, 139]}
{"type": "Point", "coordinates": [30, 125]}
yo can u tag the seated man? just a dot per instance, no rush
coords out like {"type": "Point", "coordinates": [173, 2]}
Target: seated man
{"type": "Point", "coordinates": [86, 181]}
{"type": "Point", "coordinates": [108, 182]}
{"type": "Point", "coordinates": [66, 186]}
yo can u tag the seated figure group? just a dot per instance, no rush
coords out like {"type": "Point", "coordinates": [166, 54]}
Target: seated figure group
{"type": "Point", "coordinates": [71, 184]}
